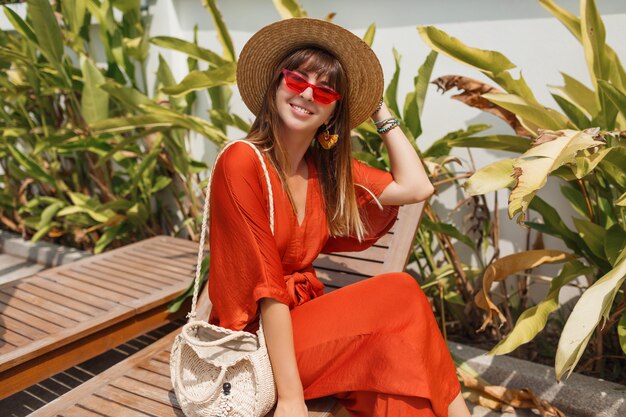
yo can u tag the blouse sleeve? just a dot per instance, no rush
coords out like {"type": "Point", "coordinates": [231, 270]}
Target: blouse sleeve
{"type": "Point", "coordinates": [245, 264]}
{"type": "Point", "coordinates": [369, 182]}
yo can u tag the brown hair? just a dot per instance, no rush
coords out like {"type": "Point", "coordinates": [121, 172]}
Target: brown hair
{"type": "Point", "coordinates": [334, 166]}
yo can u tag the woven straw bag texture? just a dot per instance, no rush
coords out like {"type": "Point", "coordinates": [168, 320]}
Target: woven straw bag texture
{"type": "Point", "coordinates": [205, 357]}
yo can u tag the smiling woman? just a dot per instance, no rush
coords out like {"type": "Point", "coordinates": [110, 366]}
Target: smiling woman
{"type": "Point", "coordinates": [374, 345]}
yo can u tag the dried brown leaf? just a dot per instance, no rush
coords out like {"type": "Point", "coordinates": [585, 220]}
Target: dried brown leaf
{"type": "Point", "coordinates": [471, 94]}
{"type": "Point", "coordinates": [500, 269]}
{"type": "Point", "coordinates": [500, 398]}
{"type": "Point", "coordinates": [546, 136]}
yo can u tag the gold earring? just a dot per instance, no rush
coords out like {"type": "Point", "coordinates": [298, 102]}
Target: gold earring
{"type": "Point", "coordinates": [327, 140]}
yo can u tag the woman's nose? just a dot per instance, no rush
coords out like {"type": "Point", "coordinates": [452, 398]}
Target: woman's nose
{"type": "Point", "coordinates": [307, 94]}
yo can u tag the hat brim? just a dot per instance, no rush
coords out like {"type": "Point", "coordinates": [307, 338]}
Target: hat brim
{"type": "Point", "coordinates": [261, 55]}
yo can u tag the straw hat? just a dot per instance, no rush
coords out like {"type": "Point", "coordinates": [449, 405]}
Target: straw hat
{"type": "Point", "coordinates": [261, 55]}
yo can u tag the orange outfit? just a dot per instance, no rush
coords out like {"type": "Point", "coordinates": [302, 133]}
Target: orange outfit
{"type": "Point", "coordinates": [375, 344]}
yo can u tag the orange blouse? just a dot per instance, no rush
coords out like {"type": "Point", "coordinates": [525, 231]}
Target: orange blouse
{"type": "Point", "coordinates": [248, 263]}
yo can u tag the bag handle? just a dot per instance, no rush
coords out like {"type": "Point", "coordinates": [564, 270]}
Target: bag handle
{"type": "Point", "coordinates": [205, 217]}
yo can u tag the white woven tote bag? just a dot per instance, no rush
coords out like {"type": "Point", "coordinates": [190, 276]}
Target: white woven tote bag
{"type": "Point", "coordinates": [217, 371]}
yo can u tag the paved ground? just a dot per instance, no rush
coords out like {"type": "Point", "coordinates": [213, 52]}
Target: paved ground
{"type": "Point", "coordinates": [15, 267]}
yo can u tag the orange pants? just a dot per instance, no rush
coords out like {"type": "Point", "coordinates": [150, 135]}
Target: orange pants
{"type": "Point", "coordinates": [376, 347]}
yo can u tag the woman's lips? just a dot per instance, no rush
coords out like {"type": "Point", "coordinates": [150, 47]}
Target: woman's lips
{"type": "Point", "coordinates": [300, 109]}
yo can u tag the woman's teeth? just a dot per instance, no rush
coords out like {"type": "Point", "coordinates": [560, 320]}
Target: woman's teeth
{"type": "Point", "coordinates": [301, 109]}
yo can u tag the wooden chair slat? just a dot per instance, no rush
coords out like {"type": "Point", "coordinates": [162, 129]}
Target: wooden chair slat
{"type": "Point", "coordinates": [133, 400]}
{"type": "Point", "coordinates": [11, 340]}
{"type": "Point", "coordinates": [110, 408]}
{"type": "Point", "coordinates": [140, 373]}
{"type": "Point", "coordinates": [132, 268]}
{"type": "Point", "coordinates": [100, 303]}
{"type": "Point", "coordinates": [139, 261]}
{"type": "Point", "coordinates": [42, 343]}
{"type": "Point", "coordinates": [148, 390]}
{"type": "Point", "coordinates": [70, 306]}
{"type": "Point", "coordinates": [36, 310]}
{"type": "Point", "coordinates": [24, 316]}
{"type": "Point", "coordinates": [22, 328]}
{"type": "Point", "coordinates": [171, 255]}
{"type": "Point", "coordinates": [77, 411]}
{"type": "Point", "coordinates": [336, 279]}
{"type": "Point", "coordinates": [108, 282]}
{"type": "Point", "coordinates": [90, 288]}
{"type": "Point", "coordinates": [350, 265]}
{"type": "Point", "coordinates": [19, 294]}
{"type": "Point", "coordinates": [126, 282]}
{"type": "Point", "coordinates": [375, 253]}
{"type": "Point", "coordinates": [176, 261]}
{"type": "Point", "coordinates": [136, 276]}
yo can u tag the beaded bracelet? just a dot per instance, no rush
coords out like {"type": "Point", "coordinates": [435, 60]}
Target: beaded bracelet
{"type": "Point", "coordinates": [384, 121]}
{"type": "Point", "coordinates": [388, 126]}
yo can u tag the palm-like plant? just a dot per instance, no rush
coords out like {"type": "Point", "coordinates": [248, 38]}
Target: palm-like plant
{"type": "Point", "coordinates": [584, 146]}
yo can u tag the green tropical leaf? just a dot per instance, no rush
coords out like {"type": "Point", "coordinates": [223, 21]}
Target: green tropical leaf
{"type": "Point", "coordinates": [160, 183]}
{"type": "Point", "coordinates": [74, 11]}
{"type": "Point", "coordinates": [571, 22]}
{"type": "Point", "coordinates": [592, 234]}
{"type": "Point", "coordinates": [391, 93]}
{"type": "Point", "coordinates": [414, 102]}
{"type": "Point", "coordinates": [586, 162]}
{"type": "Point", "coordinates": [47, 30]}
{"type": "Point", "coordinates": [159, 116]}
{"type": "Point", "coordinates": [617, 97]}
{"type": "Point", "coordinates": [20, 25]}
{"type": "Point", "coordinates": [199, 80]}
{"type": "Point", "coordinates": [579, 94]}
{"type": "Point", "coordinates": [222, 31]}
{"type": "Point", "coordinates": [126, 6]}
{"type": "Point", "coordinates": [492, 177]}
{"type": "Point", "coordinates": [368, 38]}
{"type": "Point", "coordinates": [190, 49]}
{"type": "Point", "coordinates": [621, 200]}
{"type": "Point", "coordinates": [126, 96]}
{"type": "Point", "coordinates": [593, 37]}
{"type": "Point", "coordinates": [166, 78]}
{"type": "Point", "coordinates": [614, 242]}
{"type": "Point", "coordinates": [540, 116]}
{"type": "Point", "coordinates": [43, 232]}
{"type": "Point", "coordinates": [621, 331]}
{"type": "Point", "coordinates": [289, 8]}
{"type": "Point", "coordinates": [554, 225]}
{"type": "Point", "coordinates": [449, 230]}
{"type": "Point", "coordinates": [489, 61]}
{"type": "Point", "coordinates": [576, 198]}
{"type": "Point", "coordinates": [616, 72]}
{"type": "Point", "coordinates": [533, 320]}
{"type": "Point", "coordinates": [534, 166]}
{"type": "Point", "coordinates": [508, 143]}
{"type": "Point", "coordinates": [47, 215]}
{"type": "Point", "coordinates": [175, 305]}
{"type": "Point", "coordinates": [105, 240]}
{"type": "Point", "coordinates": [94, 101]}
{"type": "Point", "coordinates": [576, 116]}
{"type": "Point", "coordinates": [31, 166]}
{"type": "Point", "coordinates": [594, 305]}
